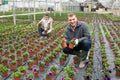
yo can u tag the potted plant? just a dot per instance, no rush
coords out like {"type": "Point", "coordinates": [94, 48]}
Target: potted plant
{"type": "Point", "coordinates": [3, 70]}
{"type": "Point", "coordinates": [19, 61]}
{"type": "Point", "coordinates": [18, 52]}
{"type": "Point", "coordinates": [66, 78]}
{"type": "Point", "coordinates": [62, 60]}
{"type": "Point", "coordinates": [17, 75]}
{"type": "Point", "coordinates": [40, 54]}
{"type": "Point", "coordinates": [36, 72]}
{"type": "Point", "coordinates": [48, 76]}
{"type": "Point", "coordinates": [5, 62]}
{"type": "Point", "coordinates": [1, 51]}
{"type": "Point", "coordinates": [12, 49]}
{"type": "Point", "coordinates": [53, 69]}
{"type": "Point", "coordinates": [13, 65]}
{"type": "Point", "coordinates": [76, 59]}
{"type": "Point", "coordinates": [72, 43]}
{"type": "Point", "coordinates": [46, 60]}
{"type": "Point", "coordinates": [6, 53]}
{"type": "Point", "coordinates": [69, 71]}
{"type": "Point", "coordinates": [54, 53]}
{"type": "Point", "coordinates": [35, 58]}
{"type": "Point", "coordinates": [106, 75]}
{"type": "Point", "coordinates": [71, 74]}
{"type": "Point", "coordinates": [117, 66]}
{"type": "Point", "coordinates": [45, 32]}
{"type": "Point", "coordinates": [88, 76]}
{"type": "Point", "coordinates": [25, 56]}
{"type": "Point", "coordinates": [30, 64]}
{"type": "Point", "coordinates": [17, 46]}
{"type": "Point", "coordinates": [41, 66]}
{"type": "Point", "coordinates": [22, 69]}
{"type": "Point", "coordinates": [63, 43]}
{"type": "Point", "coordinates": [12, 56]}
{"type": "Point", "coordinates": [58, 49]}
{"type": "Point", "coordinates": [0, 59]}
{"type": "Point", "coordinates": [50, 56]}
{"type": "Point", "coordinates": [24, 49]}
{"type": "Point", "coordinates": [30, 77]}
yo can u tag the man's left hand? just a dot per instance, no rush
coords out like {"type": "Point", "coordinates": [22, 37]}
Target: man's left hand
{"type": "Point", "coordinates": [76, 41]}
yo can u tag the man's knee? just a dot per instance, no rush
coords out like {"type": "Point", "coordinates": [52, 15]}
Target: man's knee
{"type": "Point", "coordinates": [87, 44]}
{"type": "Point", "coordinates": [67, 50]}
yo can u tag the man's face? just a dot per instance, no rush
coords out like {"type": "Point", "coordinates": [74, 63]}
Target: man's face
{"type": "Point", "coordinates": [46, 17]}
{"type": "Point", "coordinates": [72, 20]}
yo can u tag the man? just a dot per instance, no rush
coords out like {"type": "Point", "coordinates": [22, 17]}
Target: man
{"type": "Point", "coordinates": [78, 31]}
{"type": "Point", "coordinates": [45, 25]}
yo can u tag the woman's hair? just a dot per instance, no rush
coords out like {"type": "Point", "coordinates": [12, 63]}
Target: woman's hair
{"type": "Point", "coordinates": [47, 14]}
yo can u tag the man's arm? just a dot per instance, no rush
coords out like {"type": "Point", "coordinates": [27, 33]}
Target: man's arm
{"type": "Point", "coordinates": [86, 33]}
{"type": "Point", "coordinates": [67, 39]}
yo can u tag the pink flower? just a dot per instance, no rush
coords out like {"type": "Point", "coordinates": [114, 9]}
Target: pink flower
{"type": "Point", "coordinates": [35, 70]}
{"type": "Point", "coordinates": [30, 51]}
{"type": "Point", "coordinates": [75, 69]}
{"type": "Point", "coordinates": [50, 73]}
{"type": "Point", "coordinates": [62, 78]}
{"type": "Point", "coordinates": [74, 38]}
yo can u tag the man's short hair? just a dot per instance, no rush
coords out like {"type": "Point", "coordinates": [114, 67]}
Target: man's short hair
{"type": "Point", "coordinates": [71, 14]}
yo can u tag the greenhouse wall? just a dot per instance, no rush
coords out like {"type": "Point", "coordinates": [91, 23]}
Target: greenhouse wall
{"type": "Point", "coordinates": [115, 12]}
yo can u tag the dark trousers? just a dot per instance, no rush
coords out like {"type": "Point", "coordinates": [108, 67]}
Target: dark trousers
{"type": "Point", "coordinates": [40, 30]}
{"type": "Point", "coordinates": [84, 45]}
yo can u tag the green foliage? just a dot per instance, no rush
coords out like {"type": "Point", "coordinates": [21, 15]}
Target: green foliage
{"type": "Point", "coordinates": [13, 62]}
{"type": "Point", "coordinates": [3, 68]}
{"type": "Point", "coordinates": [61, 58]}
{"type": "Point", "coordinates": [72, 42]}
{"type": "Point", "coordinates": [30, 76]}
{"type": "Point", "coordinates": [40, 53]}
{"type": "Point", "coordinates": [41, 64]}
{"type": "Point", "coordinates": [0, 77]}
{"type": "Point", "coordinates": [4, 59]}
{"type": "Point", "coordinates": [75, 57]}
{"type": "Point", "coordinates": [12, 55]}
{"type": "Point", "coordinates": [22, 68]}
{"type": "Point", "coordinates": [18, 51]}
{"type": "Point", "coordinates": [69, 70]}
{"type": "Point", "coordinates": [35, 57]}
{"type": "Point", "coordinates": [46, 59]}
{"type": "Point", "coordinates": [25, 54]}
{"type": "Point", "coordinates": [19, 58]}
{"type": "Point", "coordinates": [30, 61]}
{"type": "Point", "coordinates": [53, 68]}
{"type": "Point", "coordinates": [16, 74]}
{"type": "Point", "coordinates": [1, 49]}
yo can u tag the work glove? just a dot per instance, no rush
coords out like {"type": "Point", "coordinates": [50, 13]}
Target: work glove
{"type": "Point", "coordinates": [76, 41]}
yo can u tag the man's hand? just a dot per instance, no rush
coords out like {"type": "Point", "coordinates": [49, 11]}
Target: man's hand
{"type": "Point", "coordinates": [76, 41]}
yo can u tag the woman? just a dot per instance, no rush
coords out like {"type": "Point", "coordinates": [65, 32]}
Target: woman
{"type": "Point", "coordinates": [45, 25]}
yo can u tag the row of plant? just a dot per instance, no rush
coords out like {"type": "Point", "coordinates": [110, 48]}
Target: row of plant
{"type": "Point", "coordinates": [105, 65]}
{"type": "Point", "coordinates": [112, 17]}
{"type": "Point", "coordinates": [115, 50]}
{"type": "Point", "coordinates": [113, 33]}
{"type": "Point", "coordinates": [5, 45]}
{"type": "Point", "coordinates": [51, 45]}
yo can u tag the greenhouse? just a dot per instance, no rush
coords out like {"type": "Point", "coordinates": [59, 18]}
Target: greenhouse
{"type": "Point", "coordinates": [59, 40]}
